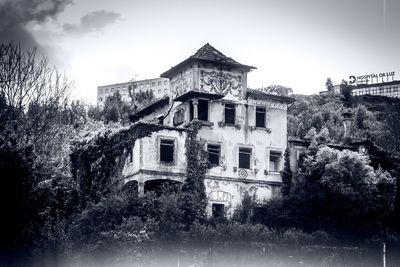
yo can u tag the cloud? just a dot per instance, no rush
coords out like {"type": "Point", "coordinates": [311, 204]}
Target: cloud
{"type": "Point", "coordinates": [92, 22]}
{"type": "Point", "coordinates": [16, 14]}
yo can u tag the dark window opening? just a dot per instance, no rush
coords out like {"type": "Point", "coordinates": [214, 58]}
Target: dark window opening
{"type": "Point", "coordinates": [229, 113]}
{"type": "Point", "coordinates": [203, 110]}
{"type": "Point", "coordinates": [274, 161]}
{"type": "Point", "coordinates": [260, 117]}
{"type": "Point", "coordinates": [160, 186]}
{"type": "Point", "coordinates": [167, 150]}
{"type": "Point", "coordinates": [130, 156]}
{"type": "Point", "coordinates": [191, 110]}
{"type": "Point", "coordinates": [213, 154]}
{"type": "Point", "coordinates": [244, 158]}
{"type": "Point", "coordinates": [218, 210]}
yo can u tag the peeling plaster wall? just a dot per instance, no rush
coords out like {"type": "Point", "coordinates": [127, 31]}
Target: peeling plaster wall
{"type": "Point", "coordinates": [231, 193]}
{"type": "Point", "coordinates": [147, 165]}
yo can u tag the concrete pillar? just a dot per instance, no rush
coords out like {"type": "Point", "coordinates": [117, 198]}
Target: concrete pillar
{"type": "Point", "coordinates": [195, 103]}
{"type": "Point", "coordinates": [140, 188]}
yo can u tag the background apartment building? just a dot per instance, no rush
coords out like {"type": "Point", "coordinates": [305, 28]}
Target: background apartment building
{"type": "Point", "coordinates": [159, 87]}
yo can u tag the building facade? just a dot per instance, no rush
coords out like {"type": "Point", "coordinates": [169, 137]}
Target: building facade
{"type": "Point", "coordinates": [159, 87]}
{"type": "Point", "coordinates": [244, 132]}
{"type": "Point", "coordinates": [388, 89]}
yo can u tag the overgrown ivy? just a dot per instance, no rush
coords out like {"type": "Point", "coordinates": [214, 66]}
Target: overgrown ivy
{"type": "Point", "coordinates": [286, 174]}
{"type": "Point", "coordinates": [97, 167]}
{"type": "Point", "coordinates": [97, 164]}
{"type": "Point", "coordinates": [193, 197]}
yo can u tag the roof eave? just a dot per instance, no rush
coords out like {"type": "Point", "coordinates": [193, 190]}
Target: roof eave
{"type": "Point", "coordinates": [169, 73]}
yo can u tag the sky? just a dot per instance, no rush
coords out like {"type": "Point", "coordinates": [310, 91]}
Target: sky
{"type": "Point", "coordinates": [294, 43]}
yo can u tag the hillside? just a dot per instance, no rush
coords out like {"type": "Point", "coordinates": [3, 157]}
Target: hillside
{"type": "Point", "coordinates": [376, 118]}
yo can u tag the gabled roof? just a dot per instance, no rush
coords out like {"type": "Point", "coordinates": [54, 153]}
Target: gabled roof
{"type": "Point", "coordinates": [261, 95]}
{"type": "Point", "coordinates": [207, 54]}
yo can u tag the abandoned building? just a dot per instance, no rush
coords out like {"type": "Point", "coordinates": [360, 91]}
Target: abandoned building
{"type": "Point", "coordinates": [244, 132]}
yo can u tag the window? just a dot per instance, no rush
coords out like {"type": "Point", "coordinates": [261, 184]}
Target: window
{"type": "Point", "coordinates": [229, 113]}
{"type": "Point", "coordinates": [218, 210]}
{"type": "Point", "coordinates": [165, 90]}
{"type": "Point", "coordinates": [244, 157]}
{"type": "Point", "coordinates": [153, 84]}
{"type": "Point", "coordinates": [130, 156]}
{"type": "Point", "coordinates": [141, 85]}
{"type": "Point", "coordinates": [147, 84]}
{"type": "Point", "coordinates": [106, 90]}
{"type": "Point", "coordinates": [165, 82]}
{"type": "Point", "coordinates": [260, 117]}
{"type": "Point", "coordinates": [100, 91]}
{"type": "Point", "coordinates": [159, 91]}
{"type": "Point", "coordinates": [214, 152]}
{"type": "Point", "coordinates": [112, 90]}
{"type": "Point", "coordinates": [203, 110]}
{"type": "Point", "coordinates": [166, 150]}
{"type": "Point", "coordinates": [159, 83]}
{"type": "Point", "coordinates": [275, 161]}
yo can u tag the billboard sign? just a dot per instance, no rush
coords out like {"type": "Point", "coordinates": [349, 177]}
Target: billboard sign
{"type": "Point", "coordinates": [372, 78]}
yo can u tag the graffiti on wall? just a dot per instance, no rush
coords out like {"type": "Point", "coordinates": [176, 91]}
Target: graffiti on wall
{"type": "Point", "coordinates": [221, 196]}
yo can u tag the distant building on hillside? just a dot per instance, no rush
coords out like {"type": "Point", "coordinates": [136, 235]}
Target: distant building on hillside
{"type": "Point", "coordinates": [159, 87]}
{"type": "Point", "coordinates": [389, 89]}
{"type": "Point", "coordinates": [384, 88]}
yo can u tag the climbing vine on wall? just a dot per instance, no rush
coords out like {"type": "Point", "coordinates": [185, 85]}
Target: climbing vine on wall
{"type": "Point", "coordinates": [193, 198]}
{"type": "Point", "coordinates": [97, 164]}
{"type": "Point", "coordinates": [286, 174]}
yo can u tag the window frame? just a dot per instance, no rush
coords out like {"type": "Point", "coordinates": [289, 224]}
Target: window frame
{"type": "Point", "coordinates": [250, 156]}
{"type": "Point", "coordinates": [174, 147]}
{"type": "Point", "coordinates": [219, 153]}
{"type": "Point", "coordinates": [265, 117]}
{"type": "Point", "coordinates": [232, 107]}
{"type": "Point", "coordinates": [271, 151]}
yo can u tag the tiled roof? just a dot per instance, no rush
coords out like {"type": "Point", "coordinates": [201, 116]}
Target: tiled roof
{"type": "Point", "coordinates": [207, 54]}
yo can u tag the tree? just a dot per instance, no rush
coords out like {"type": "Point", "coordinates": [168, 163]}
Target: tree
{"type": "Point", "coordinates": [143, 99]}
{"type": "Point", "coordinates": [25, 80]}
{"type": "Point", "coordinates": [343, 192]}
{"type": "Point", "coordinates": [329, 85]}
{"type": "Point", "coordinates": [278, 90]}
{"type": "Point", "coordinates": [345, 90]}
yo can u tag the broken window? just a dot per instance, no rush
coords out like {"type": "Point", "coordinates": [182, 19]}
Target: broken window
{"type": "Point", "coordinates": [214, 152]}
{"type": "Point", "coordinates": [275, 161]}
{"type": "Point", "coordinates": [218, 210]}
{"type": "Point", "coordinates": [203, 110]}
{"type": "Point", "coordinates": [260, 117]}
{"type": "Point", "coordinates": [244, 157]}
{"type": "Point", "coordinates": [229, 113]}
{"type": "Point", "coordinates": [166, 150]}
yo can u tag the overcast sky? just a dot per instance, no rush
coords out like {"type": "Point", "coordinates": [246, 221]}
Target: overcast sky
{"type": "Point", "coordinates": [295, 43]}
